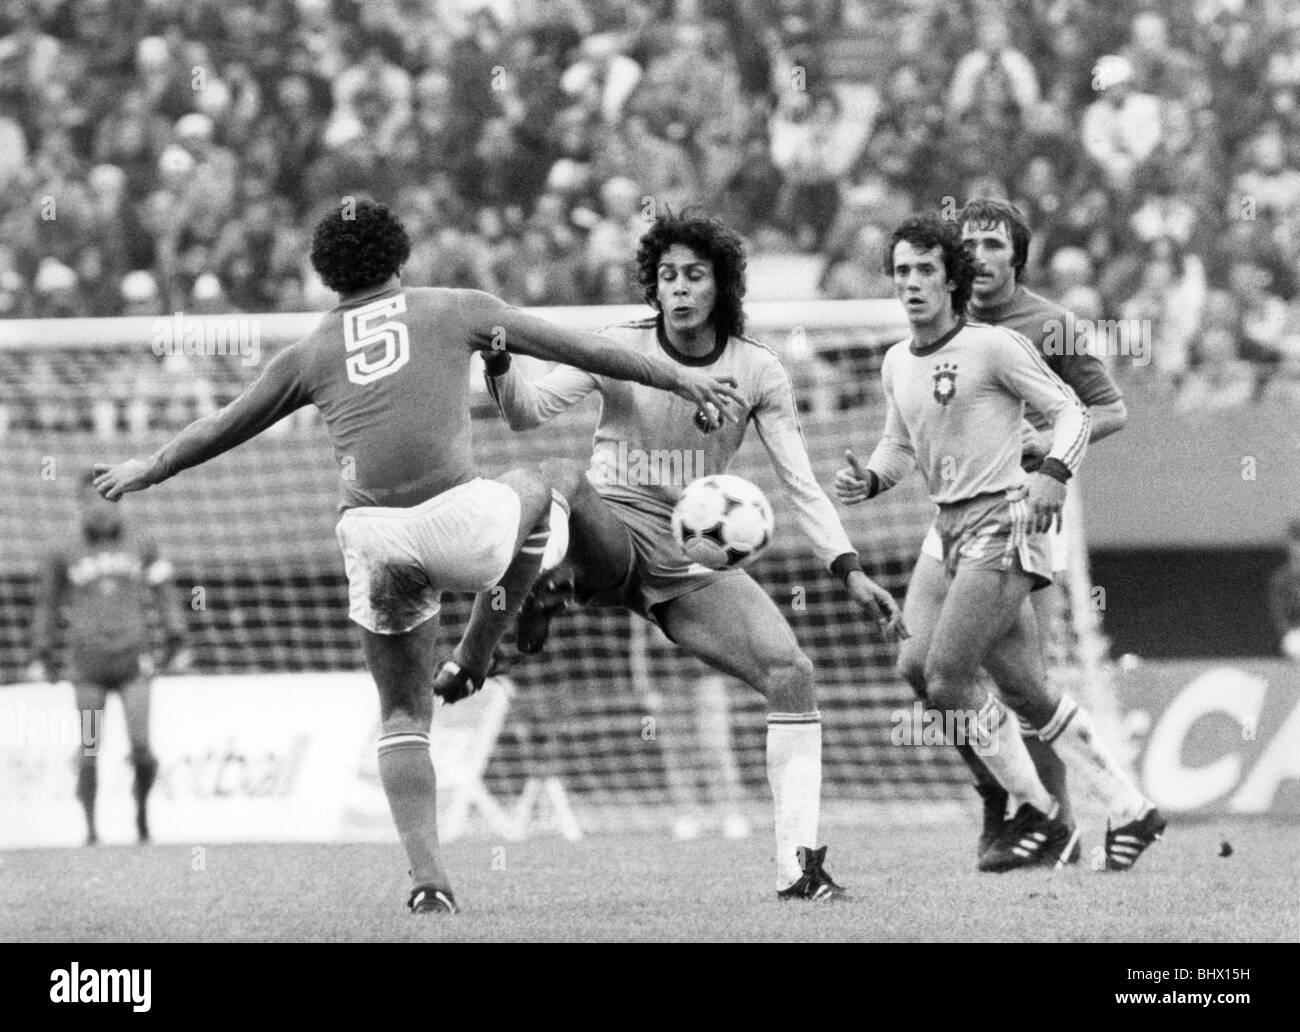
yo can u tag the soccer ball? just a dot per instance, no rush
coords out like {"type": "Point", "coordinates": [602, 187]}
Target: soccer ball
{"type": "Point", "coordinates": [722, 521]}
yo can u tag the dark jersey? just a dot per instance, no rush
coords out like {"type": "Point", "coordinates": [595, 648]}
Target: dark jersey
{"type": "Point", "coordinates": [105, 594]}
{"type": "Point", "coordinates": [1039, 319]}
{"type": "Point", "coordinates": [389, 372]}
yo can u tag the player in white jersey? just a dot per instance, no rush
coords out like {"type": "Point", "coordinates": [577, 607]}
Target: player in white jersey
{"type": "Point", "coordinates": [622, 550]}
{"type": "Point", "coordinates": [956, 393]}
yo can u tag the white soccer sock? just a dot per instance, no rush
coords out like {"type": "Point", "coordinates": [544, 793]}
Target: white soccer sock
{"type": "Point", "coordinates": [794, 770]}
{"type": "Point", "coordinates": [997, 742]}
{"type": "Point", "coordinates": [1073, 735]}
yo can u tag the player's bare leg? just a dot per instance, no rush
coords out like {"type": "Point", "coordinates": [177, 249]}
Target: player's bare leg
{"type": "Point", "coordinates": [403, 668]}
{"type": "Point", "coordinates": [980, 609]}
{"type": "Point", "coordinates": [926, 591]}
{"type": "Point", "coordinates": [494, 608]}
{"type": "Point", "coordinates": [735, 627]}
{"type": "Point", "coordinates": [135, 706]}
{"type": "Point", "coordinates": [598, 560]}
{"type": "Point", "coordinates": [1016, 662]}
{"type": "Point", "coordinates": [1051, 768]}
{"type": "Point", "coordinates": [90, 701]}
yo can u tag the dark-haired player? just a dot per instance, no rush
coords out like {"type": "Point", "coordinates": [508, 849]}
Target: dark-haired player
{"type": "Point", "coordinates": [111, 591]}
{"type": "Point", "coordinates": [956, 394]}
{"type": "Point", "coordinates": [998, 238]}
{"type": "Point", "coordinates": [389, 371]}
{"type": "Point", "coordinates": [622, 551]}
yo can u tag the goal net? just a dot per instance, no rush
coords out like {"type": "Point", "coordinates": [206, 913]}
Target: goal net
{"type": "Point", "coordinates": [612, 720]}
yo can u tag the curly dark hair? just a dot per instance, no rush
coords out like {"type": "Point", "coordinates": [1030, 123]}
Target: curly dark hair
{"type": "Point", "coordinates": [988, 212]}
{"type": "Point", "coordinates": [928, 231]}
{"type": "Point", "coordinates": [710, 238]}
{"type": "Point", "coordinates": [358, 245]}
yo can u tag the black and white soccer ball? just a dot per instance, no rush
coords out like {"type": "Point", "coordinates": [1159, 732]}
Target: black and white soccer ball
{"type": "Point", "coordinates": [722, 521]}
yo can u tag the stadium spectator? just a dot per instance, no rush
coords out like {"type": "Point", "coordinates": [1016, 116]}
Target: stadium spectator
{"type": "Point", "coordinates": [1121, 128]}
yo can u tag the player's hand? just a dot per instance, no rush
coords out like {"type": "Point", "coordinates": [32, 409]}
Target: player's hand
{"type": "Point", "coordinates": [879, 605]}
{"type": "Point", "coordinates": [1046, 502]}
{"type": "Point", "coordinates": [705, 390]}
{"type": "Point", "coordinates": [1034, 446]}
{"type": "Point", "coordinates": [37, 673]}
{"type": "Point", "coordinates": [851, 482]}
{"type": "Point", "coordinates": [114, 481]}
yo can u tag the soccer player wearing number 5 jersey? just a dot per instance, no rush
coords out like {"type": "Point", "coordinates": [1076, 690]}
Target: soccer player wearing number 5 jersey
{"type": "Point", "coordinates": [956, 395]}
{"type": "Point", "coordinates": [389, 371]}
{"type": "Point", "coordinates": [623, 553]}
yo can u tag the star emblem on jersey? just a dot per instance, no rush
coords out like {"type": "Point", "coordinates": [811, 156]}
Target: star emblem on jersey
{"type": "Point", "coordinates": [945, 382]}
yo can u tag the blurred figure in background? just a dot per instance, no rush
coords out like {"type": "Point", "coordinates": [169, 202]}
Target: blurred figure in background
{"type": "Point", "coordinates": [1284, 595]}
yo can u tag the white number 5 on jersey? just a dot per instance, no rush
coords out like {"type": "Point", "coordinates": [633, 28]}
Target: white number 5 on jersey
{"type": "Point", "coordinates": [373, 324]}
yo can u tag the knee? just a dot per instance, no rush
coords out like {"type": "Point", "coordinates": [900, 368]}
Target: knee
{"type": "Point", "coordinates": [946, 678]}
{"type": "Point", "coordinates": [788, 682]}
{"type": "Point", "coordinates": [911, 668]}
{"type": "Point", "coordinates": [565, 476]}
{"type": "Point", "coordinates": [142, 755]}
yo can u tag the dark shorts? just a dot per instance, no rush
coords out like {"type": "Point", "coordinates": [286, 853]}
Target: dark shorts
{"type": "Point", "coordinates": [659, 571]}
{"type": "Point", "coordinates": [104, 668]}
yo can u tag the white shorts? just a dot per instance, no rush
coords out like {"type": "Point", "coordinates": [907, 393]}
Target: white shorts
{"type": "Point", "coordinates": [400, 561]}
{"type": "Point", "coordinates": [1057, 544]}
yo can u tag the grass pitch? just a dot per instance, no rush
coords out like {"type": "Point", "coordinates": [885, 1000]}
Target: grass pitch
{"type": "Point", "coordinates": [908, 884]}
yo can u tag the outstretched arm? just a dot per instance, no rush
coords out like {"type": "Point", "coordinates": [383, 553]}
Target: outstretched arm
{"type": "Point", "coordinates": [266, 401]}
{"type": "Point", "coordinates": [529, 403]}
{"type": "Point", "coordinates": [777, 421]}
{"type": "Point", "coordinates": [45, 616]}
{"type": "Point", "coordinates": [494, 326]}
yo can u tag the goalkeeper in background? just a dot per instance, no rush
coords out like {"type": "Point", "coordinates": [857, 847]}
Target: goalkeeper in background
{"type": "Point", "coordinates": [389, 371]}
{"type": "Point", "coordinates": [691, 269]}
{"type": "Point", "coordinates": [109, 590]}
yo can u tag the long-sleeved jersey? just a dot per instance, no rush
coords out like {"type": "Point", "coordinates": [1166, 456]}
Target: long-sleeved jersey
{"type": "Point", "coordinates": [109, 594]}
{"type": "Point", "coordinates": [1048, 326]}
{"type": "Point", "coordinates": [647, 446]}
{"type": "Point", "coordinates": [389, 372]}
{"type": "Point", "coordinates": [955, 409]}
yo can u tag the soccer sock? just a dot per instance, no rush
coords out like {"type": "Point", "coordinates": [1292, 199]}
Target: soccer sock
{"type": "Point", "coordinates": [406, 772]}
{"type": "Point", "coordinates": [1051, 772]}
{"type": "Point", "coordinates": [1073, 735]}
{"type": "Point", "coordinates": [794, 770]}
{"type": "Point", "coordinates": [493, 608]}
{"type": "Point", "coordinates": [1000, 746]}
{"type": "Point", "coordinates": [87, 787]}
{"type": "Point", "coordinates": [146, 772]}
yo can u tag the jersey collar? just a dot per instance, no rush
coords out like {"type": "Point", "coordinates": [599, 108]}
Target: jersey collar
{"type": "Point", "coordinates": [691, 360]}
{"type": "Point", "coordinates": [931, 348]}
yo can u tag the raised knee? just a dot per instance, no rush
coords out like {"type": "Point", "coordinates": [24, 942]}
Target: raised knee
{"type": "Point", "coordinates": [564, 476]}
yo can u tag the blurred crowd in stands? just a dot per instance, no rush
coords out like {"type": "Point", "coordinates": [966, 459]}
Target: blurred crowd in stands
{"type": "Point", "coordinates": [165, 155]}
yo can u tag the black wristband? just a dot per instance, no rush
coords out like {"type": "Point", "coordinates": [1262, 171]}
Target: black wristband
{"type": "Point", "coordinates": [844, 564]}
{"type": "Point", "coordinates": [496, 362]}
{"type": "Point", "coordinates": [1056, 469]}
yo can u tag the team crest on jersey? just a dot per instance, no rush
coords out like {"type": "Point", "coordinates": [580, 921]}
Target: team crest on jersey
{"type": "Point", "coordinates": [945, 382]}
